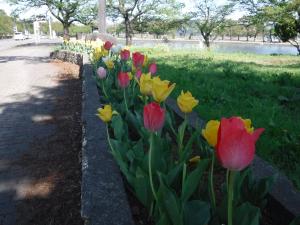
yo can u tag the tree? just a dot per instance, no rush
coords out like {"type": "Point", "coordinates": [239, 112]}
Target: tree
{"type": "Point", "coordinates": [65, 11]}
{"type": "Point", "coordinates": [210, 17]}
{"type": "Point", "coordinates": [287, 24]}
{"type": "Point", "coordinates": [134, 13]}
{"type": "Point", "coordinates": [6, 24]}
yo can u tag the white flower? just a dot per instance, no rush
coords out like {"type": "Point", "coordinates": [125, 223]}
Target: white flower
{"type": "Point", "coordinates": [116, 49]}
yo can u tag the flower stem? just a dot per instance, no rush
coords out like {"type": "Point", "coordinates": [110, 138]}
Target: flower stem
{"type": "Point", "coordinates": [108, 139]}
{"type": "Point", "coordinates": [150, 166]}
{"type": "Point", "coordinates": [181, 136]}
{"type": "Point", "coordinates": [103, 89]}
{"type": "Point", "coordinates": [124, 94]}
{"type": "Point", "coordinates": [230, 196]}
{"type": "Point", "coordinates": [183, 176]}
{"type": "Point", "coordinates": [211, 183]}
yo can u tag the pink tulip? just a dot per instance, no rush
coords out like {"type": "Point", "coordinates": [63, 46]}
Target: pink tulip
{"type": "Point", "coordinates": [138, 74]}
{"type": "Point", "coordinates": [101, 72]}
{"type": "Point", "coordinates": [138, 59]}
{"type": "Point", "coordinates": [152, 68]}
{"type": "Point", "coordinates": [235, 145]}
{"type": "Point", "coordinates": [125, 54]}
{"type": "Point", "coordinates": [107, 45]}
{"type": "Point", "coordinates": [123, 79]}
{"type": "Point", "coordinates": [154, 117]}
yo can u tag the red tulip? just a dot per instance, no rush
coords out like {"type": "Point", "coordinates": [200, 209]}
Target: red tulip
{"type": "Point", "coordinates": [138, 74]}
{"type": "Point", "coordinates": [152, 68]}
{"type": "Point", "coordinates": [138, 59]}
{"type": "Point", "coordinates": [154, 117]}
{"type": "Point", "coordinates": [235, 146]}
{"type": "Point", "coordinates": [125, 54]}
{"type": "Point", "coordinates": [107, 45]}
{"type": "Point", "coordinates": [123, 79]}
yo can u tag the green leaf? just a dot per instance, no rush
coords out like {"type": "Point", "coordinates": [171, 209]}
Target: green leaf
{"type": "Point", "coordinates": [173, 173]}
{"type": "Point", "coordinates": [158, 154]}
{"type": "Point", "coordinates": [142, 189]}
{"type": "Point", "coordinates": [163, 220]}
{"type": "Point", "coordinates": [196, 213]}
{"type": "Point", "coordinates": [193, 180]}
{"type": "Point", "coordinates": [246, 214]}
{"type": "Point", "coordinates": [168, 199]}
{"type": "Point", "coordinates": [118, 126]}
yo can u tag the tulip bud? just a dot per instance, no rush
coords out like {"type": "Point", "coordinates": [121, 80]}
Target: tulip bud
{"type": "Point", "coordinates": [236, 146]}
{"type": "Point", "coordinates": [186, 102]}
{"type": "Point", "coordinates": [138, 59]}
{"type": "Point", "coordinates": [107, 45]}
{"type": "Point", "coordinates": [152, 68]}
{"type": "Point", "coordinates": [154, 117]}
{"type": "Point", "coordinates": [123, 79]}
{"type": "Point", "coordinates": [101, 72]}
{"type": "Point", "coordinates": [138, 74]}
{"type": "Point", "coordinates": [125, 54]}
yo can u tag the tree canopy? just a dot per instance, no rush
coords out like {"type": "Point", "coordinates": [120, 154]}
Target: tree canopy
{"type": "Point", "coordinates": [139, 14]}
{"type": "Point", "coordinates": [65, 11]}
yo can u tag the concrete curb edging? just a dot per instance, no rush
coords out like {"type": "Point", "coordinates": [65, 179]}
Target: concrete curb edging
{"type": "Point", "coordinates": [283, 193]}
{"type": "Point", "coordinates": [103, 197]}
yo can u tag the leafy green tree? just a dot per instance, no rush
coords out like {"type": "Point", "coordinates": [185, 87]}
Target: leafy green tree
{"type": "Point", "coordinates": [210, 17]}
{"type": "Point", "coordinates": [67, 11]}
{"type": "Point", "coordinates": [137, 13]}
{"type": "Point", "coordinates": [286, 17]}
{"type": "Point", "coordinates": [6, 24]}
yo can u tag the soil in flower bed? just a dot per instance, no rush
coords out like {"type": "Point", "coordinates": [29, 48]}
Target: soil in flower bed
{"type": "Point", "coordinates": [55, 162]}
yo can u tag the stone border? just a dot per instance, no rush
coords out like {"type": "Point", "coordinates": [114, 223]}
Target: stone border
{"type": "Point", "coordinates": [103, 197]}
{"type": "Point", "coordinates": [283, 194]}
{"type": "Point", "coordinates": [68, 56]}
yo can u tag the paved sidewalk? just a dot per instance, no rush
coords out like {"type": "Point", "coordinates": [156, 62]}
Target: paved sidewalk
{"type": "Point", "coordinates": [27, 92]}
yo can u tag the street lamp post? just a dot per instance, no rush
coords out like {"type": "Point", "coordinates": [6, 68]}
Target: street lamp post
{"type": "Point", "coordinates": [102, 17]}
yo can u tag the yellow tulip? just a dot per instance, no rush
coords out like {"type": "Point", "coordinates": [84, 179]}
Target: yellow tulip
{"type": "Point", "coordinates": [130, 75]}
{"type": "Point", "coordinates": [97, 54]}
{"type": "Point", "coordinates": [210, 133]}
{"type": "Point", "coordinates": [145, 84]}
{"type": "Point", "coordinates": [109, 63]}
{"type": "Point", "coordinates": [161, 89]}
{"type": "Point", "coordinates": [106, 113]}
{"type": "Point", "coordinates": [186, 102]}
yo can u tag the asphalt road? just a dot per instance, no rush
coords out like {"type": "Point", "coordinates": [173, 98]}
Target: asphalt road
{"type": "Point", "coordinates": [10, 43]}
{"type": "Point", "coordinates": [27, 93]}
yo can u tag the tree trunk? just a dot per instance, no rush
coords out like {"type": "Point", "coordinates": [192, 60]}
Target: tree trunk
{"type": "Point", "coordinates": [66, 32]}
{"type": "Point", "coordinates": [128, 35]}
{"type": "Point", "coordinates": [206, 41]}
{"type": "Point", "coordinates": [102, 17]}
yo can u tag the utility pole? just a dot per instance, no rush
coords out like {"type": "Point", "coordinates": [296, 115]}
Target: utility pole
{"type": "Point", "coordinates": [102, 17]}
{"type": "Point", "coordinates": [50, 27]}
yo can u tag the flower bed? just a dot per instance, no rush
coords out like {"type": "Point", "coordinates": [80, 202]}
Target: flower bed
{"type": "Point", "coordinates": [170, 168]}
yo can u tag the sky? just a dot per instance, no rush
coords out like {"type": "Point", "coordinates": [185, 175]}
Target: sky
{"type": "Point", "coordinates": [188, 3]}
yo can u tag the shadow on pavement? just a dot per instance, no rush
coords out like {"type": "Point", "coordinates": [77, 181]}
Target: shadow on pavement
{"type": "Point", "coordinates": [40, 156]}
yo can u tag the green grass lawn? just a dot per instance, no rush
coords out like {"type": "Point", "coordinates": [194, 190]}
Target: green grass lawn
{"type": "Point", "coordinates": [264, 88]}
